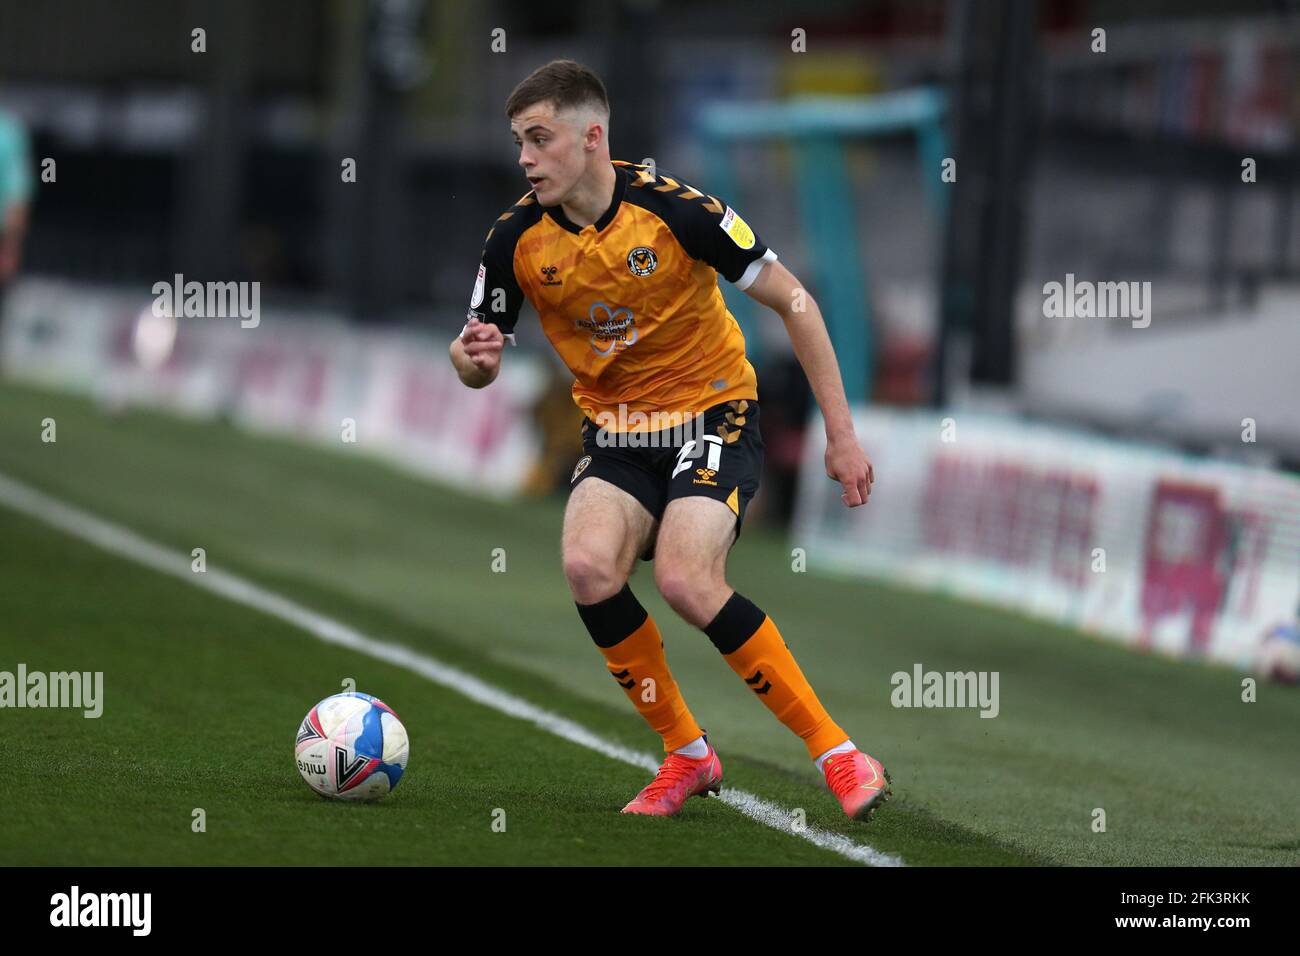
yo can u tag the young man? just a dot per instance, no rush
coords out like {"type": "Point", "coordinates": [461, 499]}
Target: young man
{"type": "Point", "coordinates": [621, 263]}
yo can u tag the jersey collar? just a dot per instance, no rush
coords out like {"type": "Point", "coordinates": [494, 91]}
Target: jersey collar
{"type": "Point", "coordinates": [556, 212]}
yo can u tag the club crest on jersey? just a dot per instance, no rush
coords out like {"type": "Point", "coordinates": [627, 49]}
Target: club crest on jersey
{"type": "Point", "coordinates": [642, 261]}
{"type": "Point", "coordinates": [737, 229]}
{"type": "Point", "coordinates": [611, 329]}
{"type": "Point", "coordinates": [583, 462]}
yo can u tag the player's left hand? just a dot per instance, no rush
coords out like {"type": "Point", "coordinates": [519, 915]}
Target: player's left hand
{"type": "Point", "coordinates": [848, 464]}
{"type": "Point", "coordinates": [483, 342]}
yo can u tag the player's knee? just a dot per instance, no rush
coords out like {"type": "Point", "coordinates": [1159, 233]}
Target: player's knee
{"type": "Point", "coordinates": [683, 586]}
{"type": "Point", "coordinates": [592, 577]}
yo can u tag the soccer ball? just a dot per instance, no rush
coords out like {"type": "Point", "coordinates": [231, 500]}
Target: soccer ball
{"type": "Point", "coordinates": [1278, 655]}
{"type": "Point", "coordinates": [352, 747]}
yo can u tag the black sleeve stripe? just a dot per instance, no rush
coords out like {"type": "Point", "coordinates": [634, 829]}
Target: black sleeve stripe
{"type": "Point", "coordinates": [683, 190]}
{"type": "Point", "coordinates": [498, 264]}
{"type": "Point", "coordinates": [527, 200]}
{"type": "Point", "coordinates": [696, 222]}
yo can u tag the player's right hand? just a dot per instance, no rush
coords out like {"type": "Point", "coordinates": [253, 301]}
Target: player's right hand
{"type": "Point", "coordinates": [483, 342]}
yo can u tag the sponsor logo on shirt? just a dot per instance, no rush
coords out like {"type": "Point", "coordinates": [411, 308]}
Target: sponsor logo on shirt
{"type": "Point", "coordinates": [477, 299]}
{"type": "Point", "coordinates": [737, 229]}
{"type": "Point", "coordinates": [611, 329]}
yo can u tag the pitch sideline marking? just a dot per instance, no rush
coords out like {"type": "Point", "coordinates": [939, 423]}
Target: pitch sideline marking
{"type": "Point", "coordinates": [121, 541]}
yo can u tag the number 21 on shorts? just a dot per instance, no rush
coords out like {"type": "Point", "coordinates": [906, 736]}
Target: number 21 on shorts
{"type": "Point", "coordinates": [688, 451]}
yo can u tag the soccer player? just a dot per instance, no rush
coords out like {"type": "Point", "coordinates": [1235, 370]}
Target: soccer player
{"type": "Point", "coordinates": [621, 262]}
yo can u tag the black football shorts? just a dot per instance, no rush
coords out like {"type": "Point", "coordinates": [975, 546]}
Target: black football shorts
{"type": "Point", "coordinates": [720, 458]}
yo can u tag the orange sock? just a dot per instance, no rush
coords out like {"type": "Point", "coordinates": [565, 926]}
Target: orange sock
{"type": "Point", "coordinates": [753, 648]}
{"type": "Point", "coordinates": [634, 651]}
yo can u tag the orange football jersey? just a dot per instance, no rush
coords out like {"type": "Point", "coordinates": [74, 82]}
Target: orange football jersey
{"type": "Point", "coordinates": [631, 303]}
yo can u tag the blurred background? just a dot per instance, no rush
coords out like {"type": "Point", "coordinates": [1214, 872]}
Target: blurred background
{"type": "Point", "coordinates": [927, 167]}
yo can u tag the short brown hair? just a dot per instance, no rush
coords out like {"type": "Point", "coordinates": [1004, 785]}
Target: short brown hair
{"type": "Point", "coordinates": [565, 83]}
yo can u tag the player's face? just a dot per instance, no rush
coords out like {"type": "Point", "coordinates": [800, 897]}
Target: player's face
{"type": "Point", "coordinates": [550, 152]}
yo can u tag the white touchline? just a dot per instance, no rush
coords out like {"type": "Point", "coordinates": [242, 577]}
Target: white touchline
{"type": "Point", "coordinates": [121, 541]}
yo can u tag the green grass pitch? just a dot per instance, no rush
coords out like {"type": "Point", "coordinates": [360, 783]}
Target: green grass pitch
{"type": "Point", "coordinates": [202, 696]}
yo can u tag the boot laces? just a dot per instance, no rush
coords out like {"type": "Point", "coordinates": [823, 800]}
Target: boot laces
{"type": "Point", "coordinates": [675, 770]}
{"type": "Point", "coordinates": [841, 774]}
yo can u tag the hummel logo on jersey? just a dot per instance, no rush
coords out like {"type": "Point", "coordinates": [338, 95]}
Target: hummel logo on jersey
{"type": "Point", "coordinates": [548, 276]}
